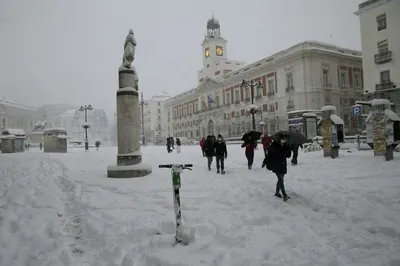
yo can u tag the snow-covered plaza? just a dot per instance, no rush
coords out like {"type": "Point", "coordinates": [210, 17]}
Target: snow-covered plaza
{"type": "Point", "coordinates": [61, 209]}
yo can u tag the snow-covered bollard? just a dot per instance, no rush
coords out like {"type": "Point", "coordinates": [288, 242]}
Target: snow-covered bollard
{"type": "Point", "coordinates": [332, 131]}
{"type": "Point", "coordinates": [382, 128]}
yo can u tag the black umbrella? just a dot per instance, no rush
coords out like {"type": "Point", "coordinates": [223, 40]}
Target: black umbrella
{"type": "Point", "coordinates": [255, 135]}
{"type": "Point", "coordinates": [294, 138]}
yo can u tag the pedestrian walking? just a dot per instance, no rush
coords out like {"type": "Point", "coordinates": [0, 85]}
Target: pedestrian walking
{"type": "Point", "coordinates": [266, 142]}
{"type": "Point", "coordinates": [209, 150]}
{"type": "Point", "coordinates": [278, 153]}
{"type": "Point", "coordinates": [221, 153]}
{"type": "Point", "coordinates": [178, 145]}
{"type": "Point", "coordinates": [202, 141]}
{"type": "Point", "coordinates": [250, 145]}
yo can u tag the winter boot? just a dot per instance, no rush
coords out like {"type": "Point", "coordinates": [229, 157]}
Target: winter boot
{"type": "Point", "coordinates": [277, 194]}
{"type": "Point", "coordinates": [286, 197]}
{"type": "Point", "coordinates": [217, 171]}
{"type": "Point", "coordinates": [222, 172]}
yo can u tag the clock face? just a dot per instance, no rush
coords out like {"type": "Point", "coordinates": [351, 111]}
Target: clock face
{"type": "Point", "coordinates": [207, 52]}
{"type": "Point", "coordinates": [219, 51]}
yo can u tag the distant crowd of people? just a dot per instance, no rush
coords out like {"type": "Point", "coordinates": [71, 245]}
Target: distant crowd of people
{"type": "Point", "coordinates": [276, 152]}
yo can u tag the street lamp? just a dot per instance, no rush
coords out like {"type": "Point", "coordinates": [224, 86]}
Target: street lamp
{"type": "Point", "coordinates": [252, 110]}
{"type": "Point", "coordinates": [86, 126]}
{"type": "Point", "coordinates": [142, 103]}
{"type": "Point", "coordinates": [4, 123]}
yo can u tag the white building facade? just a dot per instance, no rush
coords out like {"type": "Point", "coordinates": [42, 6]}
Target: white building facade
{"type": "Point", "coordinates": [65, 120]}
{"type": "Point", "coordinates": [154, 117]}
{"type": "Point", "coordinates": [306, 76]}
{"type": "Point", "coordinates": [98, 125]}
{"type": "Point", "coordinates": [16, 115]}
{"type": "Point", "coordinates": [380, 40]}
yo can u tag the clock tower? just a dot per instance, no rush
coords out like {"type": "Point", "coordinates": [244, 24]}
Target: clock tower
{"type": "Point", "coordinates": [214, 49]}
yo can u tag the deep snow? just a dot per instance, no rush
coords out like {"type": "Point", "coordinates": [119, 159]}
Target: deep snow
{"type": "Point", "coordinates": [60, 209]}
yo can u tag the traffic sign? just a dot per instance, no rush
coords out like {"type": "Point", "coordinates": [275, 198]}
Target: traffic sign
{"type": "Point", "coordinates": [356, 110]}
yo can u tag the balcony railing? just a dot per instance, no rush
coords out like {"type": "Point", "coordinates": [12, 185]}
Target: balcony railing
{"type": "Point", "coordinates": [383, 57]}
{"type": "Point", "coordinates": [258, 96]}
{"type": "Point", "coordinates": [237, 102]}
{"type": "Point", "coordinates": [271, 93]}
{"type": "Point", "coordinates": [289, 88]}
{"type": "Point", "coordinates": [384, 86]}
{"type": "Point", "coordinates": [247, 100]}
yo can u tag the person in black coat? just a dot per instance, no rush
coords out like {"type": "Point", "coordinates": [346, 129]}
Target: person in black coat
{"type": "Point", "coordinates": [278, 152]}
{"type": "Point", "coordinates": [295, 149]}
{"type": "Point", "coordinates": [221, 153]}
{"type": "Point", "coordinates": [209, 150]}
{"type": "Point", "coordinates": [169, 144]}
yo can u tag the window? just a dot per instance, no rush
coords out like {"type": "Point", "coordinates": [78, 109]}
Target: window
{"type": "Point", "coordinates": [289, 80]}
{"type": "Point", "coordinates": [342, 79]}
{"type": "Point", "coordinates": [381, 22]}
{"type": "Point", "coordinates": [385, 76]}
{"type": "Point", "coordinates": [247, 93]}
{"type": "Point", "coordinates": [228, 98]}
{"type": "Point", "coordinates": [271, 87]}
{"type": "Point", "coordinates": [357, 80]}
{"type": "Point", "coordinates": [196, 106]}
{"type": "Point", "coordinates": [259, 92]}
{"type": "Point", "coordinates": [217, 98]}
{"type": "Point", "coordinates": [290, 103]}
{"type": "Point", "coordinates": [325, 77]}
{"type": "Point", "coordinates": [383, 47]}
{"type": "Point", "coordinates": [237, 96]}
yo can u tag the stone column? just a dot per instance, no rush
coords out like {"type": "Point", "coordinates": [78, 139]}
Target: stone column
{"type": "Point", "coordinates": [379, 125]}
{"type": "Point", "coordinates": [326, 130]}
{"type": "Point", "coordinates": [129, 157]}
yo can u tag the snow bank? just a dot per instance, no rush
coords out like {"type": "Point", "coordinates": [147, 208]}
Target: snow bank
{"type": "Point", "coordinates": [31, 210]}
{"type": "Point", "coordinates": [392, 115]}
{"type": "Point", "coordinates": [54, 129]}
{"type": "Point", "coordinates": [328, 108]}
{"type": "Point", "coordinates": [336, 119]}
{"type": "Point", "coordinates": [13, 131]}
{"type": "Point", "coordinates": [310, 115]}
{"type": "Point", "coordinates": [376, 102]}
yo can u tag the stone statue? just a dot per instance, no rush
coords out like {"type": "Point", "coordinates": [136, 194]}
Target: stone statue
{"type": "Point", "coordinates": [127, 73]}
{"type": "Point", "coordinates": [129, 50]}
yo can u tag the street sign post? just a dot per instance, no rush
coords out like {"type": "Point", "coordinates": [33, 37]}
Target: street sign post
{"type": "Point", "coordinates": [356, 111]}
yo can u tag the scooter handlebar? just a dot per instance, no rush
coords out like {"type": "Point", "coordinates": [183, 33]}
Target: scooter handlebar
{"type": "Point", "coordinates": [170, 165]}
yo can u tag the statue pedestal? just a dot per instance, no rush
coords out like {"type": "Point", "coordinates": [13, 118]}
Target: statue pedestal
{"type": "Point", "coordinates": [129, 157]}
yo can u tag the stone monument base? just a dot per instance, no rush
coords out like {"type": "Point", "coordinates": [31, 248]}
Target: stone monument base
{"type": "Point", "coordinates": [128, 171]}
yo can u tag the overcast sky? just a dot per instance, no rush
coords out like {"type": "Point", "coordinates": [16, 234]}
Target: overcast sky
{"type": "Point", "coordinates": [59, 51]}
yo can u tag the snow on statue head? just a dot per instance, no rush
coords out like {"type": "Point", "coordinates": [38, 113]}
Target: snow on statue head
{"type": "Point", "coordinates": [129, 50]}
{"type": "Point", "coordinates": [39, 126]}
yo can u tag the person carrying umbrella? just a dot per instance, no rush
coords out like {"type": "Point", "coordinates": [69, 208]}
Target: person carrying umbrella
{"type": "Point", "coordinates": [250, 145]}
{"type": "Point", "coordinates": [266, 142]}
{"type": "Point", "coordinates": [278, 152]}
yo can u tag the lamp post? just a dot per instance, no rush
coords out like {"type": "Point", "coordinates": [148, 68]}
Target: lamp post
{"type": "Point", "coordinates": [142, 104]}
{"type": "Point", "coordinates": [3, 123]}
{"type": "Point", "coordinates": [258, 85]}
{"type": "Point", "coordinates": [86, 126]}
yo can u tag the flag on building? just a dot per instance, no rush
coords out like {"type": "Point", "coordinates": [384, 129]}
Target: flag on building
{"type": "Point", "coordinates": [210, 100]}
